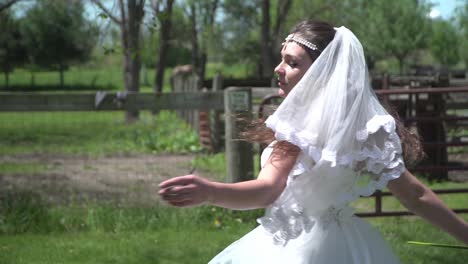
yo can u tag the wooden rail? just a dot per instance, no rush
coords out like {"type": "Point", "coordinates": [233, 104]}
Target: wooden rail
{"type": "Point", "coordinates": [428, 90]}
{"type": "Point", "coordinates": [116, 101]}
{"type": "Point", "coordinates": [378, 210]}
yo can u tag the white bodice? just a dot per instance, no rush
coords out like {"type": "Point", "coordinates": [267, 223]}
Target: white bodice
{"type": "Point", "coordinates": [314, 194]}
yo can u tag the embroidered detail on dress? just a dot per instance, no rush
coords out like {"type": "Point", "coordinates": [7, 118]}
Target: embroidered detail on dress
{"type": "Point", "coordinates": [335, 215]}
{"type": "Point", "coordinates": [285, 223]}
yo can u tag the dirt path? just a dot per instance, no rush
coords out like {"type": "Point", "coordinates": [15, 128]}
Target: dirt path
{"type": "Point", "coordinates": [126, 180]}
{"type": "Point", "coordinates": [129, 180]}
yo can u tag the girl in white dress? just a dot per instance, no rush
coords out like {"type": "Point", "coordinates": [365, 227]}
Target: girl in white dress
{"type": "Point", "coordinates": [331, 142]}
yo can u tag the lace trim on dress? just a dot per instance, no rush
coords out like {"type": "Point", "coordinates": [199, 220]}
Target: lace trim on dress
{"type": "Point", "coordinates": [286, 220]}
{"type": "Point", "coordinates": [385, 163]}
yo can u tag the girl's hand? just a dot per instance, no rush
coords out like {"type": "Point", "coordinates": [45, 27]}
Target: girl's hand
{"type": "Point", "coordinates": [188, 190]}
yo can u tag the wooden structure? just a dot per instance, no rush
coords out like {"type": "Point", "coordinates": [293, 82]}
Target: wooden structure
{"type": "Point", "coordinates": [427, 103]}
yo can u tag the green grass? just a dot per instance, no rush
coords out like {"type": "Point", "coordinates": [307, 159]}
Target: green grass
{"type": "Point", "coordinates": [32, 232]}
{"type": "Point", "coordinates": [83, 78]}
{"type": "Point", "coordinates": [16, 168]}
{"type": "Point", "coordinates": [95, 233]}
{"type": "Point", "coordinates": [169, 246]}
{"type": "Point", "coordinates": [95, 79]}
{"type": "Point", "coordinates": [94, 133]}
{"type": "Point", "coordinates": [80, 78]}
{"type": "Point", "coordinates": [236, 71]}
{"type": "Point", "coordinates": [399, 230]}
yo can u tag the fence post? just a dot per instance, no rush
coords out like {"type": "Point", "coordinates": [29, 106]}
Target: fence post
{"type": "Point", "coordinates": [215, 124]}
{"type": "Point", "coordinates": [386, 86]}
{"type": "Point", "coordinates": [239, 154]}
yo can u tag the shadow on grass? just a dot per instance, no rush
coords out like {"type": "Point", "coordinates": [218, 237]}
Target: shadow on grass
{"type": "Point", "coordinates": [23, 211]}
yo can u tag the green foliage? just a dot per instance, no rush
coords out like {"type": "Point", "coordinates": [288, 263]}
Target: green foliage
{"type": "Point", "coordinates": [461, 19]}
{"type": "Point", "coordinates": [56, 33]}
{"type": "Point", "coordinates": [391, 28]}
{"type": "Point", "coordinates": [94, 134]}
{"type": "Point", "coordinates": [241, 39]}
{"type": "Point", "coordinates": [444, 42]}
{"type": "Point", "coordinates": [178, 53]}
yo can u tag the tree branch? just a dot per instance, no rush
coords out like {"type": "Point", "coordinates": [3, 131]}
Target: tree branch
{"type": "Point", "coordinates": [106, 11]}
{"type": "Point", "coordinates": [155, 6]}
{"type": "Point", "coordinates": [214, 6]}
{"type": "Point", "coordinates": [282, 11]}
{"type": "Point", "coordinates": [7, 4]}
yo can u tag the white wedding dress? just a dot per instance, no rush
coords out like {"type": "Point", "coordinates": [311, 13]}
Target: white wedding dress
{"type": "Point", "coordinates": [349, 148]}
{"type": "Point", "coordinates": [328, 233]}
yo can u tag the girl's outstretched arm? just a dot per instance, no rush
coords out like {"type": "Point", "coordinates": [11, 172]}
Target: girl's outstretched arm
{"type": "Point", "coordinates": [190, 190]}
{"type": "Point", "coordinates": [422, 201]}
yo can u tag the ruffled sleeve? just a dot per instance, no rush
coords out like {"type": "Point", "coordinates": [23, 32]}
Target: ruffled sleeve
{"type": "Point", "coordinates": [381, 156]}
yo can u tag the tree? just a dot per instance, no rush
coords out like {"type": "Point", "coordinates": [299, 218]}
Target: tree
{"type": "Point", "coordinates": [12, 52]}
{"type": "Point", "coordinates": [56, 34]}
{"type": "Point", "coordinates": [129, 19]}
{"type": "Point", "coordinates": [201, 15]}
{"type": "Point", "coordinates": [351, 15]}
{"type": "Point", "coordinates": [254, 31]}
{"type": "Point", "coordinates": [388, 28]}
{"type": "Point", "coordinates": [163, 12]}
{"type": "Point", "coordinates": [397, 28]}
{"type": "Point", "coordinates": [444, 42]}
{"type": "Point", "coordinates": [240, 38]}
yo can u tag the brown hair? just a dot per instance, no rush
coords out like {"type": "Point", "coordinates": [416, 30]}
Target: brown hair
{"type": "Point", "coordinates": [321, 34]}
{"type": "Point", "coordinates": [318, 33]}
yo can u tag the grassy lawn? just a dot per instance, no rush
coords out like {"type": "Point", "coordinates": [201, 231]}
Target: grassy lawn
{"type": "Point", "coordinates": [164, 235]}
{"type": "Point", "coordinates": [168, 246]}
{"type": "Point", "coordinates": [32, 232]}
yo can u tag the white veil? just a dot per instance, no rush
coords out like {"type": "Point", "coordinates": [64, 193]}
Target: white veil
{"type": "Point", "coordinates": [333, 115]}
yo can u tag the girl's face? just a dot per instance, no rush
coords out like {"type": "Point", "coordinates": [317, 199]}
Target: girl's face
{"type": "Point", "coordinates": [294, 63]}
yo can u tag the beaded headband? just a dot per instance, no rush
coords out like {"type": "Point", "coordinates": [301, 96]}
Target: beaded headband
{"type": "Point", "coordinates": [292, 37]}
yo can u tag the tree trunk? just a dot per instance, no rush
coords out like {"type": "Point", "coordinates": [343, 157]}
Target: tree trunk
{"type": "Point", "coordinates": [131, 16]}
{"type": "Point", "coordinates": [130, 28]}
{"type": "Point", "coordinates": [266, 58]}
{"type": "Point", "coordinates": [62, 79]}
{"type": "Point", "coordinates": [33, 80]}
{"type": "Point", "coordinates": [7, 80]}
{"type": "Point", "coordinates": [282, 10]}
{"type": "Point", "coordinates": [194, 38]}
{"type": "Point", "coordinates": [203, 60]}
{"type": "Point", "coordinates": [166, 24]}
{"type": "Point", "coordinates": [400, 63]}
